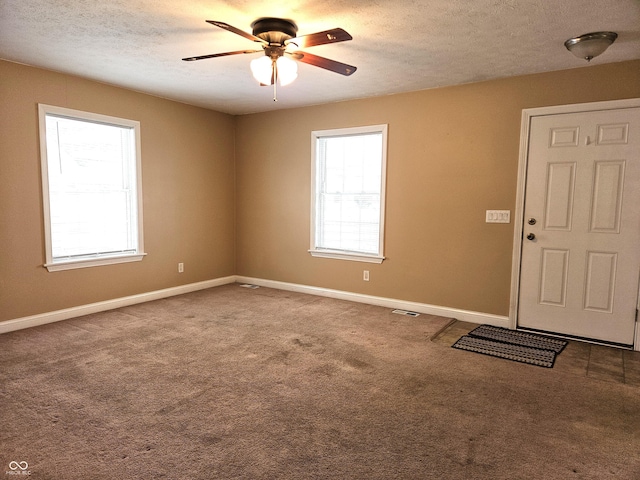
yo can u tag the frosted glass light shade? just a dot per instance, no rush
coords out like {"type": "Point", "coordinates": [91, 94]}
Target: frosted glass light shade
{"type": "Point", "coordinates": [287, 70]}
{"type": "Point", "coordinates": [262, 70]}
{"type": "Point", "coordinates": [590, 45]}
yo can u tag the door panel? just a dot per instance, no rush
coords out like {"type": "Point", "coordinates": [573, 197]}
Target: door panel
{"type": "Point", "coordinates": [559, 197]}
{"type": "Point", "coordinates": [553, 277]}
{"type": "Point", "coordinates": [580, 267]}
{"type": "Point", "coordinates": [599, 285]}
{"type": "Point", "coordinates": [606, 204]}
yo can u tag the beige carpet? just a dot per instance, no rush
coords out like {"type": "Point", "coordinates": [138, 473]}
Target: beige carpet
{"type": "Point", "coordinates": [232, 383]}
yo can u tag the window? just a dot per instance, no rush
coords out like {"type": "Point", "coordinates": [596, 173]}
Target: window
{"type": "Point", "coordinates": [348, 187]}
{"type": "Point", "coordinates": [91, 188]}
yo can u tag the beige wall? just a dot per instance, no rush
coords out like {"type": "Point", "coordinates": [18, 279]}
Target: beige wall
{"type": "Point", "coordinates": [187, 181]}
{"type": "Point", "coordinates": [453, 153]}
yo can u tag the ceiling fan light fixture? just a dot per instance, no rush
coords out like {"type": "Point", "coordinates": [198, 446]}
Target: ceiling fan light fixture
{"type": "Point", "coordinates": [286, 70]}
{"type": "Point", "coordinates": [590, 45]}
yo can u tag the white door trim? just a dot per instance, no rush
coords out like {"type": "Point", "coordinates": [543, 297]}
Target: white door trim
{"type": "Point", "coordinates": [527, 115]}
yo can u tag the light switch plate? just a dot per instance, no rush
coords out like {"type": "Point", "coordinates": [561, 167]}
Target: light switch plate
{"type": "Point", "coordinates": [498, 216]}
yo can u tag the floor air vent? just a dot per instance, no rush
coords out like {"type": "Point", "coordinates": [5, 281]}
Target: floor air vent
{"type": "Point", "coordinates": [405, 312]}
{"type": "Point", "coordinates": [249, 285]}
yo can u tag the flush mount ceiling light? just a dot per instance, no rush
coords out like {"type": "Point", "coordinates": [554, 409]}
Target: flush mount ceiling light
{"type": "Point", "coordinates": [590, 45]}
{"type": "Point", "coordinates": [280, 46]}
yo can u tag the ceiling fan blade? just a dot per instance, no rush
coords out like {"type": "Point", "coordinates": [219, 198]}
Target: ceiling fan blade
{"type": "Point", "coordinates": [321, 38]}
{"type": "Point", "coordinates": [214, 55]}
{"type": "Point", "coordinates": [237, 31]}
{"type": "Point", "coordinates": [327, 64]}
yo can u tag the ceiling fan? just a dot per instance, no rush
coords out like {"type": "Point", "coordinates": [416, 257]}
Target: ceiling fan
{"type": "Point", "coordinates": [279, 42]}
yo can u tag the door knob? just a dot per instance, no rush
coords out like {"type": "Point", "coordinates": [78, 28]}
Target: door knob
{"type": "Point", "coordinates": [531, 236]}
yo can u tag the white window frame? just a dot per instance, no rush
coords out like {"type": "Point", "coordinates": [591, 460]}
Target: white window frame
{"type": "Point", "coordinates": [99, 259]}
{"type": "Point", "coordinates": [344, 254]}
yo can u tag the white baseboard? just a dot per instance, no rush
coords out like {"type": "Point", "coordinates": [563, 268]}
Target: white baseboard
{"type": "Point", "coordinates": [463, 315]}
{"type": "Point", "coordinates": [56, 316]}
{"type": "Point", "coordinates": [67, 313]}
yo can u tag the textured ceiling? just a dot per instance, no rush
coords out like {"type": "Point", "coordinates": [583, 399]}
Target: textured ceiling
{"type": "Point", "coordinates": [398, 46]}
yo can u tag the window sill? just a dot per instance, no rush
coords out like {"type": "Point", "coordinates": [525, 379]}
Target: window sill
{"type": "Point", "coordinates": [356, 257]}
{"type": "Point", "coordinates": [92, 262]}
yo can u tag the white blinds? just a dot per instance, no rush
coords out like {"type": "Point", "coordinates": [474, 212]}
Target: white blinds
{"type": "Point", "coordinates": [92, 187]}
{"type": "Point", "coordinates": [348, 192]}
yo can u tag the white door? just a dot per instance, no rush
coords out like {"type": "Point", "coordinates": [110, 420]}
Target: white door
{"type": "Point", "coordinates": [580, 263]}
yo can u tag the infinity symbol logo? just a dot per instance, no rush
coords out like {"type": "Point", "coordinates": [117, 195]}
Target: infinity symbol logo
{"type": "Point", "coordinates": [18, 465]}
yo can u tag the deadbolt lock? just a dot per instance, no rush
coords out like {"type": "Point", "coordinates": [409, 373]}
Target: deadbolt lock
{"type": "Point", "coordinates": [531, 221]}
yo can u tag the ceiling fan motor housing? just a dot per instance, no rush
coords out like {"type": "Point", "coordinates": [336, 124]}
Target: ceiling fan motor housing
{"type": "Point", "coordinates": [275, 31]}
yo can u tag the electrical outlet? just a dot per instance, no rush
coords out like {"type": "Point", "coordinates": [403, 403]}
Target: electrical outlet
{"type": "Point", "coordinates": [365, 275]}
{"type": "Point", "coordinates": [181, 268]}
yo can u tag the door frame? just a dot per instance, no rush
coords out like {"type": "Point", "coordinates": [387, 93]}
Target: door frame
{"type": "Point", "coordinates": [518, 218]}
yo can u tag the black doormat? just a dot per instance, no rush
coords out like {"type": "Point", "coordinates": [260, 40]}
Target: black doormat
{"type": "Point", "coordinates": [513, 345]}
{"type": "Point", "coordinates": [518, 338]}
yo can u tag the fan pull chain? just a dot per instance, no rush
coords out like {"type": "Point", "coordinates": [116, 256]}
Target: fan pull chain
{"type": "Point", "coordinates": [275, 81]}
